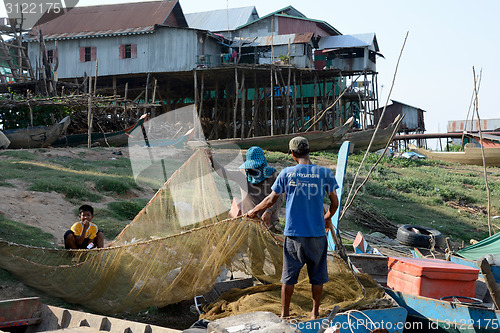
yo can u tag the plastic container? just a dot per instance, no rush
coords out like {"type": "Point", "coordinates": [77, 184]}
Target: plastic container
{"type": "Point", "coordinates": [434, 278]}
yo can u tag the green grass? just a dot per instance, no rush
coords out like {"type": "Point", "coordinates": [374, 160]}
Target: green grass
{"type": "Point", "coordinates": [78, 179]}
{"type": "Point", "coordinates": [24, 234]}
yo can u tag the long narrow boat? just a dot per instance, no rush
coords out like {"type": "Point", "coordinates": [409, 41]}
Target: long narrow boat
{"type": "Point", "coordinates": [470, 155]}
{"type": "Point", "coordinates": [116, 139]}
{"type": "Point", "coordinates": [360, 139]}
{"type": "Point", "coordinates": [318, 140]}
{"type": "Point", "coordinates": [36, 137]}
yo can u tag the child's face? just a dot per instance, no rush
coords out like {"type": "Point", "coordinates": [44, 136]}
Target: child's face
{"type": "Point", "coordinates": [86, 216]}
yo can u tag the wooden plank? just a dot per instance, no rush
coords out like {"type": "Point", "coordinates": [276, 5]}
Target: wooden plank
{"type": "Point", "coordinates": [485, 268]}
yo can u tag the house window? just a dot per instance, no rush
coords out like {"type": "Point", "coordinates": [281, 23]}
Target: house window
{"type": "Point", "coordinates": [51, 56]}
{"type": "Point", "coordinates": [128, 51]}
{"type": "Point", "coordinates": [88, 53]}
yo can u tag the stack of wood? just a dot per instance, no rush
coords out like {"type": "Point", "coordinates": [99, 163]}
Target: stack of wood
{"type": "Point", "coordinates": [366, 215]}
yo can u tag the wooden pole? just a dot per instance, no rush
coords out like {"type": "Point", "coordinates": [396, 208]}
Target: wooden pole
{"type": "Point", "coordinates": [302, 121]}
{"type": "Point", "coordinates": [236, 98]}
{"type": "Point", "coordinates": [272, 99]}
{"type": "Point", "coordinates": [265, 114]}
{"type": "Point", "coordinates": [196, 101]}
{"type": "Point", "coordinates": [294, 103]}
{"type": "Point", "coordinates": [315, 111]}
{"type": "Point", "coordinates": [89, 115]}
{"type": "Point", "coordinates": [243, 101]}
{"type": "Point", "coordinates": [288, 102]}
{"type": "Point", "coordinates": [489, 279]}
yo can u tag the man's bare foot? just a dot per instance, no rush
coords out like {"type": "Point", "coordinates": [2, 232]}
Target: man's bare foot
{"type": "Point", "coordinates": [314, 315]}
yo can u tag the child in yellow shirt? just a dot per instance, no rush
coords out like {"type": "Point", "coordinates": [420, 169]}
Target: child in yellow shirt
{"type": "Point", "coordinates": [84, 234]}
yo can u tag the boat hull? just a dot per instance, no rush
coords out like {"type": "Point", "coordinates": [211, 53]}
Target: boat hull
{"type": "Point", "coordinates": [360, 139]}
{"type": "Point", "coordinates": [446, 316]}
{"type": "Point", "coordinates": [36, 137]}
{"type": "Point", "coordinates": [114, 139]}
{"type": "Point", "coordinates": [470, 156]}
{"type": "Point", "coordinates": [391, 319]}
{"type": "Point", "coordinates": [318, 141]}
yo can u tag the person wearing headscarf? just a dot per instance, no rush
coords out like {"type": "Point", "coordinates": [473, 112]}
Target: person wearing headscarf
{"type": "Point", "coordinates": [255, 178]}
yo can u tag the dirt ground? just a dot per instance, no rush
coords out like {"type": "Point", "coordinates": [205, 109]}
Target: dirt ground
{"type": "Point", "coordinates": [51, 212]}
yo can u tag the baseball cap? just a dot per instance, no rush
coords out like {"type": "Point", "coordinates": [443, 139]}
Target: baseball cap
{"type": "Point", "coordinates": [299, 144]}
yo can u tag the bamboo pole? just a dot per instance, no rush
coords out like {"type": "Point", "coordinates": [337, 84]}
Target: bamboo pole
{"type": "Point", "coordinates": [476, 108]}
{"type": "Point", "coordinates": [294, 103]}
{"type": "Point", "coordinates": [236, 98]}
{"type": "Point", "coordinates": [243, 101]}
{"type": "Point", "coordinates": [315, 111]}
{"type": "Point", "coordinates": [272, 99]}
{"type": "Point", "coordinates": [89, 115]}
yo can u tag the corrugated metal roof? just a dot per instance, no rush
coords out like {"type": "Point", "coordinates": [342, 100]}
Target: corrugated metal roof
{"type": "Point", "coordinates": [217, 20]}
{"type": "Point", "coordinates": [100, 20]}
{"type": "Point", "coordinates": [274, 40]}
{"type": "Point", "coordinates": [291, 12]}
{"type": "Point", "coordinates": [346, 41]}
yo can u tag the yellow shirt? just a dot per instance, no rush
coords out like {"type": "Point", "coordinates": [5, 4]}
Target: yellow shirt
{"type": "Point", "coordinates": [77, 228]}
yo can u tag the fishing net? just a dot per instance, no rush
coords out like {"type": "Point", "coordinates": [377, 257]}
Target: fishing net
{"type": "Point", "coordinates": [344, 289]}
{"type": "Point", "coordinates": [173, 250]}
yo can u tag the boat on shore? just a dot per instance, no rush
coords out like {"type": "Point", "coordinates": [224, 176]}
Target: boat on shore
{"type": "Point", "coordinates": [34, 316]}
{"type": "Point", "coordinates": [318, 140]}
{"type": "Point", "coordinates": [360, 139]}
{"type": "Point", "coordinates": [115, 139]}
{"type": "Point", "coordinates": [37, 136]}
{"type": "Point", "coordinates": [470, 156]}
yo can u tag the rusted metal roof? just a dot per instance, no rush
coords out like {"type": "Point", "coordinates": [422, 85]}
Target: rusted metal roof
{"type": "Point", "coordinates": [108, 20]}
{"type": "Point", "coordinates": [274, 40]}
{"type": "Point", "coordinates": [217, 20]}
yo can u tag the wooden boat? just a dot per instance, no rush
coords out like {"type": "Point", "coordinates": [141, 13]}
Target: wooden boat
{"type": "Point", "coordinates": [470, 155]}
{"type": "Point", "coordinates": [432, 314]}
{"type": "Point", "coordinates": [116, 139]}
{"type": "Point", "coordinates": [4, 142]}
{"type": "Point", "coordinates": [318, 140]}
{"type": "Point", "coordinates": [360, 139]}
{"type": "Point", "coordinates": [391, 319]}
{"type": "Point", "coordinates": [34, 316]}
{"type": "Point", "coordinates": [36, 137]}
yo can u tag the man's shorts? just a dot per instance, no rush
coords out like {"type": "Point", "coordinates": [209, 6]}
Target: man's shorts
{"type": "Point", "coordinates": [310, 251]}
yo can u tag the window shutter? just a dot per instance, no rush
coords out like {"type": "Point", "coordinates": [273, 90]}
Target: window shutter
{"type": "Point", "coordinates": [93, 53]}
{"type": "Point", "coordinates": [82, 54]}
{"type": "Point", "coordinates": [122, 51]}
{"type": "Point", "coordinates": [54, 55]}
{"type": "Point", "coordinates": [133, 52]}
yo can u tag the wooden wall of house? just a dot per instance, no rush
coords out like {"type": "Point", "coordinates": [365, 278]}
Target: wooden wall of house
{"type": "Point", "coordinates": [165, 50]}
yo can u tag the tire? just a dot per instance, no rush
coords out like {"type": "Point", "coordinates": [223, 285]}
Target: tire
{"type": "Point", "coordinates": [418, 236]}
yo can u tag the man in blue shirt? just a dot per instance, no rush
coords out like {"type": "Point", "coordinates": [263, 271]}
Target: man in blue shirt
{"type": "Point", "coordinates": [304, 185]}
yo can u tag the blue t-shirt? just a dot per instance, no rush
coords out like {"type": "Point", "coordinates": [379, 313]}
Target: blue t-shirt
{"type": "Point", "coordinates": [305, 186]}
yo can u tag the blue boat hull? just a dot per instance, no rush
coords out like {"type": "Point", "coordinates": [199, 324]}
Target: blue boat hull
{"type": "Point", "coordinates": [443, 316]}
{"type": "Point", "coordinates": [495, 270]}
{"type": "Point", "coordinates": [392, 319]}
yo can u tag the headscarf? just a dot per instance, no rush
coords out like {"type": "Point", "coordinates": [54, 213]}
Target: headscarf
{"type": "Point", "coordinates": [256, 166]}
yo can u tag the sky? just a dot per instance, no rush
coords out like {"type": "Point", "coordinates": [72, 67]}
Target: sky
{"type": "Point", "coordinates": [446, 40]}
